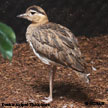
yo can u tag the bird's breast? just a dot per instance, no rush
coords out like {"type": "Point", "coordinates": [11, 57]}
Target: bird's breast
{"type": "Point", "coordinates": [43, 59]}
{"type": "Point", "coordinates": [29, 33]}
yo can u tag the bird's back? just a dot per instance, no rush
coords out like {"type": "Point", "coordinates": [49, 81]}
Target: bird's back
{"type": "Point", "coordinates": [56, 43]}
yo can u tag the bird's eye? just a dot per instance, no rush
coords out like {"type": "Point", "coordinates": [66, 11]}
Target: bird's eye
{"type": "Point", "coordinates": [32, 13]}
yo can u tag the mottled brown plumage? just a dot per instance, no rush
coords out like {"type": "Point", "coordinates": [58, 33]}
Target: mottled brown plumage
{"type": "Point", "coordinates": [53, 43]}
{"type": "Point", "coordinates": [58, 44]}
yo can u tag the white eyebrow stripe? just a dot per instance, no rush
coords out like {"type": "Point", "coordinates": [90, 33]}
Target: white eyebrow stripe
{"type": "Point", "coordinates": [36, 12]}
{"type": "Point", "coordinates": [40, 14]}
{"type": "Point", "coordinates": [33, 11]}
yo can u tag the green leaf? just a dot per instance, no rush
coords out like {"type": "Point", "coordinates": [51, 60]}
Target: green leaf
{"type": "Point", "coordinates": [8, 31]}
{"type": "Point", "coordinates": [7, 39]}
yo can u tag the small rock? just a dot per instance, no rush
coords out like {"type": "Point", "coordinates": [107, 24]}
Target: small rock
{"type": "Point", "coordinates": [31, 100]}
{"type": "Point", "coordinates": [71, 106]}
{"type": "Point", "coordinates": [93, 68]}
{"type": "Point", "coordinates": [69, 74]}
{"type": "Point", "coordinates": [64, 106]}
{"type": "Point", "coordinates": [61, 97]}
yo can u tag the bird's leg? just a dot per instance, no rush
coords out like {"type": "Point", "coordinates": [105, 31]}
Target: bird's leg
{"type": "Point", "coordinates": [51, 79]}
{"type": "Point", "coordinates": [51, 74]}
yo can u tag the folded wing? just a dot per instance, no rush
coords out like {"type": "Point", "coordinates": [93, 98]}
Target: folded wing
{"type": "Point", "coordinates": [58, 44]}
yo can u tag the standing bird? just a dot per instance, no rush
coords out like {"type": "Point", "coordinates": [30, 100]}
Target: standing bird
{"type": "Point", "coordinates": [53, 44]}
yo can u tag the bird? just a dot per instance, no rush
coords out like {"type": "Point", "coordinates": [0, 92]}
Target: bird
{"type": "Point", "coordinates": [54, 45]}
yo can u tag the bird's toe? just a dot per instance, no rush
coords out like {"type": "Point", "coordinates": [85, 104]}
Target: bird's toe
{"type": "Point", "coordinates": [47, 100]}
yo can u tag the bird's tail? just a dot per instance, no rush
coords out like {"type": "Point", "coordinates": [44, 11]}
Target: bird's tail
{"type": "Point", "coordinates": [84, 75]}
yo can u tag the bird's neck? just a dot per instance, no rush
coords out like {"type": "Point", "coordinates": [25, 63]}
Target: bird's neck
{"type": "Point", "coordinates": [42, 21]}
{"type": "Point", "coordinates": [33, 26]}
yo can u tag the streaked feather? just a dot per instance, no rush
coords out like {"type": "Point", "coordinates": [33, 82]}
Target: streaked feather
{"type": "Point", "coordinates": [58, 44]}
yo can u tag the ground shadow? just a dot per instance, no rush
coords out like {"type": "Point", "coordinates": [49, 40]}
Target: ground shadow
{"type": "Point", "coordinates": [71, 91]}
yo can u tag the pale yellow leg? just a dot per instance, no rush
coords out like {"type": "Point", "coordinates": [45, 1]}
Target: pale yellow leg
{"type": "Point", "coordinates": [51, 79]}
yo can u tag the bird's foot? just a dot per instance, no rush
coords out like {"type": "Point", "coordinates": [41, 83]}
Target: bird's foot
{"type": "Point", "coordinates": [47, 100]}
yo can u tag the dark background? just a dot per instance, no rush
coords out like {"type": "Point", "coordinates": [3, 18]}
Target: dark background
{"type": "Point", "coordinates": [88, 20]}
{"type": "Point", "coordinates": [83, 17]}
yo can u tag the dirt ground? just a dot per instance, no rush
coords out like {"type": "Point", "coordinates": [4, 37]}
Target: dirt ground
{"type": "Point", "coordinates": [25, 80]}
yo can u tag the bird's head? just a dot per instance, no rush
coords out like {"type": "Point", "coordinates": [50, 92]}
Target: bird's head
{"type": "Point", "coordinates": [34, 14]}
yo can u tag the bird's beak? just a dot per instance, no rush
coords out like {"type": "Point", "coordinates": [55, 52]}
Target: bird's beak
{"type": "Point", "coordinates": [22, 15]}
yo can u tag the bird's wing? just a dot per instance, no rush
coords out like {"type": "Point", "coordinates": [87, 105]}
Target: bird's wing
{"type": "Point", "coordinates": [58, 44]}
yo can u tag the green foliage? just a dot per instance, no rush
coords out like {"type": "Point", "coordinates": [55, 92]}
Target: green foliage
{"type": "Point", "coordinates": [7, 40]}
